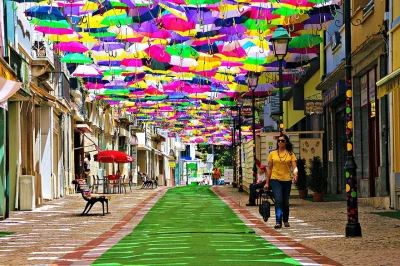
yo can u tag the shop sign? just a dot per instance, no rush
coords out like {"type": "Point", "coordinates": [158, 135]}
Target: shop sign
{"type": "Point", "coordinates": [333, 92]}
{"type": "Point", "coordinates": [313, 107]}
{"type": "Point", "coordinates": [172, 164]}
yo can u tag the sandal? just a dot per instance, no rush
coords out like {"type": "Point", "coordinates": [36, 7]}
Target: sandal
{"type": "Point", "coordinates": [286, 224]}
{"type": "Point", "coordinates": [278, 226]}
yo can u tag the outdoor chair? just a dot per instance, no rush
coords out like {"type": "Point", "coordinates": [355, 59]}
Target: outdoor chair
{"type": "Point", "coordinates": [91, 198]}
{"type": "Point", "coordinates": [95, 186]}
{"type": "Point", "coordinates": [127, 182]}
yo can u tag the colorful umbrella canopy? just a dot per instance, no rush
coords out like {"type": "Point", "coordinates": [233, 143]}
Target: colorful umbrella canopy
{"type": "Point", "coordinates": [181, 65]}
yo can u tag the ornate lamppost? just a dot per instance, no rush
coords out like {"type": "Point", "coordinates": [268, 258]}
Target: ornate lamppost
{"type": "Point", "coordinates": [353, 227]}
{"type": "Point", "coordinates": [240, 105]}
{"type": "Point", "coordinates": [252, 82]}
{"type": "Point", "coordinates": [280, 42]}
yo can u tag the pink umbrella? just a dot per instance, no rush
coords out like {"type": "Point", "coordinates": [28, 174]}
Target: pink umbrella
{"type": "Point", "coordinates": [158, 52]}
{"type": "Point", "coordinates": [171, 22]}
{"type": "Point", "coordinates": [58, 31]}
{"type": "Point", "coordinates": [152, 91]}
{"type": "Point", "coordinates": [131, 62]}
{"type": "Point", "coordinates": [72, 47]}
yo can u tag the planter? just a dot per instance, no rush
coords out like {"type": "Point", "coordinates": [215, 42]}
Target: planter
{"type": "Point", "coordinates": [318, 197]}
{"type": "Point", "coordinates": [303, 193]}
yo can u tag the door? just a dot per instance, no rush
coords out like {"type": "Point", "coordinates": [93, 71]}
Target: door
{"type": "Point", "coordinates": [341, 150]}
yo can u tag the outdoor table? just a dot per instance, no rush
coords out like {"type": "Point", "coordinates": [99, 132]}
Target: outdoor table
{"type": "Point", "coordinates": [113, 178]}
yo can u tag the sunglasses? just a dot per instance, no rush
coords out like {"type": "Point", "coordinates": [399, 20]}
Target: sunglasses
{"type": "Point", "coordinates": [281, 140]}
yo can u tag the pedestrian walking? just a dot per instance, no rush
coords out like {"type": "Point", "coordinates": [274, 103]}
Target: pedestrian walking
{"type": "Point", "coordinates": [261, 179]}
{"type": "Point", "coordinates": [216, 176]}
{"type": "Point", "coordinates": [280, 163]}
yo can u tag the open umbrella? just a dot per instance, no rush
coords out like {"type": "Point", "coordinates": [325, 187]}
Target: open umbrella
{"type": "Point", "coordinates": [112, 156]}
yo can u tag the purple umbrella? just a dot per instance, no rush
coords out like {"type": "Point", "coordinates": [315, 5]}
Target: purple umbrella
{"type": "Point", "coordinates": [108, 46]}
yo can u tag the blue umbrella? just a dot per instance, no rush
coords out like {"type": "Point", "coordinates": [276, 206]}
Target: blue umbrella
{"type": "Point", "coordinates": [44, 13]}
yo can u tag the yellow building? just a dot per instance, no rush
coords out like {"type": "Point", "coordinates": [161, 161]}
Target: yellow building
{"type": "Point", "coordinates": [390, 85]}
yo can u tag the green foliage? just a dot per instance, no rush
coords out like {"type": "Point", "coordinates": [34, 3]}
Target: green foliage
{"type": "Point", "coordinates": [317, 180]}
{"type": "Point", "coordinates": [222, 155]}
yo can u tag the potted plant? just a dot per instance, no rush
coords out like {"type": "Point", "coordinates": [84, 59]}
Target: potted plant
{"type": "Point", "coordinates": [317, 181]}
{"type": "Point", "coordinates": [301, 183]}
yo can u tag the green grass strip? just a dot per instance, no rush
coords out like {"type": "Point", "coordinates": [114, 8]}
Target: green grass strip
{"type": "Point", "coordinates": [2, 234]}
{"type": "Point", "coordinates": [390, 214]}
{"type": "Point", "coordinates": [192, 226]}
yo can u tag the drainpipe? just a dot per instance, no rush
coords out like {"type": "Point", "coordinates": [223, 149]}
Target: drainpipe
{"type": "Point", "coordinates": [62, 181]}
{"type": "Point", "coordinates": [7, 157]}
{"type": "Point", "coordinates": [390, 103]}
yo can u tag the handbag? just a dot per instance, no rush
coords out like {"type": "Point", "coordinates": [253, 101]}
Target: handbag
{"type": "Point", "coordinates": [265, 207]}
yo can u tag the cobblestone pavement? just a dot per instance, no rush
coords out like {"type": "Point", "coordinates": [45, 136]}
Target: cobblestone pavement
{"type": "Point", "coordinates": [56, 234]}
{"type": "Point", "coordinates": [320, 226]}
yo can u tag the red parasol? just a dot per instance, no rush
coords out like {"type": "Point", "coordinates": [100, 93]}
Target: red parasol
{"type": "Point", "coordinates": [111, 156]}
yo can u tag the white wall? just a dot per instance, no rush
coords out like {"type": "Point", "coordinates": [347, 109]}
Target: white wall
{"type": "Point", "coordinates": [46, 162]}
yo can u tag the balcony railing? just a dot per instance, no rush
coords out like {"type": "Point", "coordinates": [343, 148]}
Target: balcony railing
{"type": "Point", "coordinates": [41, 50]}
{"type": "Point", "coordinates": [368, 8]}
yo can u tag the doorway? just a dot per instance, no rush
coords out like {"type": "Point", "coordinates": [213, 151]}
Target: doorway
{"type": "Point", "coordinates": [341, 150]}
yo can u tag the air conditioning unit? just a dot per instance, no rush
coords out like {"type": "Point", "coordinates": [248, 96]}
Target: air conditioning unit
{"type": "Point", "coordinates": [27, 192]}
{"type": "Point", "coordinates": [335, 39]}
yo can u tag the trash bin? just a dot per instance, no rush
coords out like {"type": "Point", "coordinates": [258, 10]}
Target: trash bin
{"type": "Point", "coordinates": [27, 192]}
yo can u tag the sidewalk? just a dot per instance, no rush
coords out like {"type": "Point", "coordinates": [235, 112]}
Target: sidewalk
{"type": "Point", "coordinates": [321, 226]}
{"type": "Point", "coordinates": [55, 233]}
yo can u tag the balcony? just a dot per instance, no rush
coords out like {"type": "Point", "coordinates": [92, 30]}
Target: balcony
{"type": "Point", "coordinates": [76, 94]}
{"type": "Point", "coordinates": [43, 61]}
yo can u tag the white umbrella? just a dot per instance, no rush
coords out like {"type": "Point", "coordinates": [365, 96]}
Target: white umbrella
{"type": "Point", "coordinates": [85, 71]}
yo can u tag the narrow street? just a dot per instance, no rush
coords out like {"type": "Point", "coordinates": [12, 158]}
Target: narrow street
{"type": "Point", "coordinates": [193, 226]}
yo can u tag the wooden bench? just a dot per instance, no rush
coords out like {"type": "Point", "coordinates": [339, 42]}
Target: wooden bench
{"type": "Point", "coordinates": [92, 198]}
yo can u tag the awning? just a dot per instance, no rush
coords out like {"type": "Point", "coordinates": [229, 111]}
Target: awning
{"type": "Point", "coordinates": [42, 92]}
{"type": "Point", "coordinates": [8, 88]}
{"type": "Point", "coordinates": [142, 147]}
{"type": "Point", "coordinates": [387, 84]}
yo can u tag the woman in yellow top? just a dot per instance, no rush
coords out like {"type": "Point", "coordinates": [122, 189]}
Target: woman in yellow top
{"type": "Point", "coordinates": [280, 163]}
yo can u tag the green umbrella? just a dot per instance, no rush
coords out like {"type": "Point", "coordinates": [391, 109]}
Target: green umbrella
{"type": "Point", "coordinates": [62, 24]}
{"type": "Point", "coordinates": [155, 98]}
{"type": "Point", "coordinates": [117, 92]}
{"type": "Point", "coordinates": [255, 61]}
{"type": "Point", "coordinates": [114, 72]}
{"type": "Point", "coordinates": [76, 58]}
{"type": "Point", "coordinates": [184, 51]}
{"type": "Point", "coordinates": [261, 25]}
{"type": "Point", "coordinates": [117, 20]}
{"type": "Point", "coordinates": [305, 40]}
{"type": "Point", "coordinates": [286, 11]}
{"type": "Point", "coordinates": [227, 103]}
{"type": "Point", "coordinates": [103, 34]}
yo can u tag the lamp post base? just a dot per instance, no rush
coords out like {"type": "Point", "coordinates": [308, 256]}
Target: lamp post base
{"type": "Point", "coordinates": [353, 230]}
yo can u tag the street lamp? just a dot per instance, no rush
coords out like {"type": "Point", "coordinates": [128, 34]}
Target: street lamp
{"type": "Point", "coordinates": [252, 82]}
{"type": "Point", "coordinates": [353, 227]}
{"type": "Point", "coordinates": [280, 42]}
{"type": "Point", "coordinates": [234, 112]}
{"type": "Point", "coordinates": [240, 105]}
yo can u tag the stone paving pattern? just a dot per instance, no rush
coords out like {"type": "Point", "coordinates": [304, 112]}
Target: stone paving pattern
{"type": "Point", "coordinates": [56, 234]}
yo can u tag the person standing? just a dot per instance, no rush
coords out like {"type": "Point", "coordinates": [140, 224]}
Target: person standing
{"type": "Point", "coordinates": [86, 165]}
{"type": "Point", "coordinates": [280, 163]}
{"type": "Point", "coordinates": [261, 179]}
{"type": "Point", "coordinates": [216, 175]}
